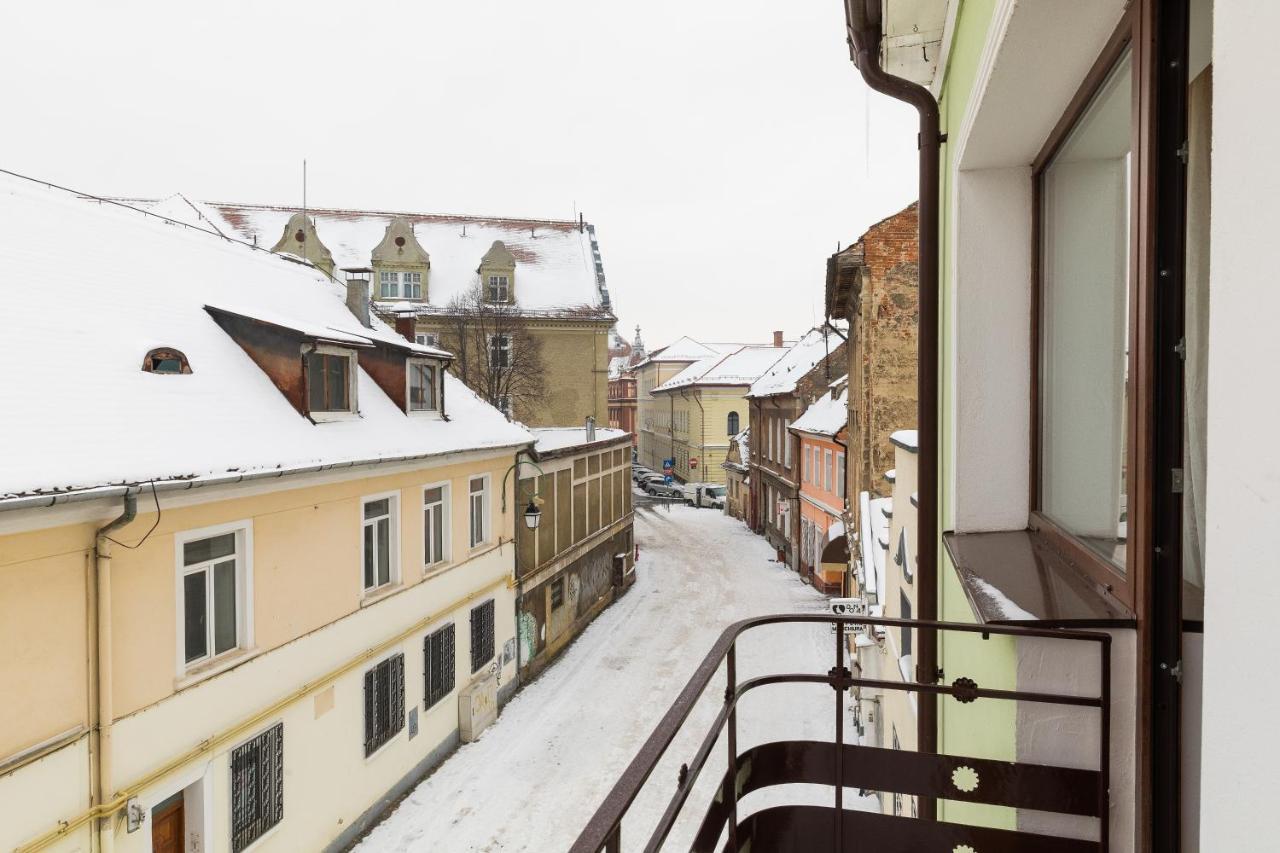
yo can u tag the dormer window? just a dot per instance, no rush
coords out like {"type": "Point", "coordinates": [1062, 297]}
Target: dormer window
{"type": "Point", "coordinates": [499, 289]}
{"type": "Point", "coordinates": [330, 381]}
{"type": "Point", "coordinates": [165, 360]}
{"type": "Point", "coordinates": [399, 285]}
{"type": "Point", "coordinates": [424, 395]}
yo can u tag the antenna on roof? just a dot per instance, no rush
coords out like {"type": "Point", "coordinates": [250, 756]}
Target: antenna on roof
{"type": "Point", "coordinates": [304, 195]}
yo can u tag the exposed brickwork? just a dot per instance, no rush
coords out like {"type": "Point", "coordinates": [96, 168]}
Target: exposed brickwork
{"type": "Point", "coordinates": [875, 285]}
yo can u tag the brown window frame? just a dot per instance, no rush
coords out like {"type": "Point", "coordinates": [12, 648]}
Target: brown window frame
{"type": "Point", "coordinates": [1127, 586]}
{"type": "Point", "coordinates": [329, 408]}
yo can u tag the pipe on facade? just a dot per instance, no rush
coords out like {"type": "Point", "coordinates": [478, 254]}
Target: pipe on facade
{"type": "Point", "coordinates": [100, 684]}
{"type": "Point", "coordinates": [863, 18]}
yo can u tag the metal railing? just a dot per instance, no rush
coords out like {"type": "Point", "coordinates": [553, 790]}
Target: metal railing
{"type": "Point", "coordinates": [781, 829]}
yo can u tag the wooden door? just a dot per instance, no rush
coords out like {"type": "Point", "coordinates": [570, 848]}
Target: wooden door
{"type": "Point", "coordinates": [168, 827]}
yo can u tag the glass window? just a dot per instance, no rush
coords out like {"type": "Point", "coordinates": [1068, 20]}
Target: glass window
{"type": "Point", "coordinates": [499, 350]}
{"type": "Point", "coordinates": [378, 542]}
{"type": "Point", "coordinates": [412, 285]}
{"type": "Point", "coordinates": [479, 492]}
{"type": "Point", "coordinates": [499, 290]}
{"type": "Point", "coordinates": [328, 382]}
{"type": "Point", "coordinates": [434, 526]}
{"type": "Point", "coordinates": [733, 423]}
{"type": "Point", "coordinates": [383, 703]}
{"type": "Point", "coordinates": [1085, 241]}
{"type": "Point", "coordinates": [257, 787]}
{"type": "Point", "coordinates": [210, 597]}
{"type": "Point", "coordinates": [438, 665]}
{"type": "Point", "coordinates": [422, 387]}
{"type": "Point", "coordinates": [390, 284]}
{"type": "Point", "coordinates": [482, 639]}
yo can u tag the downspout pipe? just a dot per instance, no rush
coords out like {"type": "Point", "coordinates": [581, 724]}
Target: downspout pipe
{"type": "Point", "coordinates": [863, 18]}
{"type": "Point", "coordinates": [100, 685]}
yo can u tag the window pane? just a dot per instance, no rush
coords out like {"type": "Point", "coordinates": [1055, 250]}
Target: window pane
{"type": "Point", "coordinates": [437, 535]}
{"type": "Point", "coordinates": [201, 550]}
{"type": "Point", "coordinates": [477, 484]}
{"type": "Point", "coordinates": [315, 382]}
{"type": "Point", "coordinates": [378, 508]}
{"type": "Point", "coordinates": [336, 373]}
{"type": "Point", "coordinates": [384, 551]}
{"type": "Point", "coordinates": [224, 607]}
{"type": "Point", "coordinates": [195, 610]}
{"type": "Point", "coordinates": [1084, 321]}
{"type": "Point", "coordinates": [435, 495]}
{"type": "Point", "coordinates": [368, 556]}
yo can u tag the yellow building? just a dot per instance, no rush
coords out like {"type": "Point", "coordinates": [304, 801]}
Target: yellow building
{"type": "Point", "coordinates": [706, 408]}
{"type": "Point", "coordinates": [543, 280]}
{"type": "Point", "coordinates": [580, 557]}
{"type": "Point", "coordinates": [256, 563]}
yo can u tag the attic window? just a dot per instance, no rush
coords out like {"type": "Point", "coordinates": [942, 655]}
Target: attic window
{"type": "Point", "coordinates": [330, 381]}
{"type": "Point", "coordinates": [163, 360]}
{"type": "Point", "coordinates": [424, 394]}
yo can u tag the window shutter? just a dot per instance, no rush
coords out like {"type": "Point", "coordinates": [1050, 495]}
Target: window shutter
{"type": "Point", "coordinates": [448, 662]}
{"type": "Point", "coordinates": [395, 717]}
{"type": "Point", "coordinates": [370, 727]}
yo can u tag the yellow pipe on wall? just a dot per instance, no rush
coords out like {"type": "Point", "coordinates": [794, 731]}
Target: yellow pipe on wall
{"type": "Point", "coordinates": [104, 810]}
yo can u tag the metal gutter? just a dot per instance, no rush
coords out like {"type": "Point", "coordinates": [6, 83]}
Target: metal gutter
{"type": "Point", "coordinates": [864, 19]}
{"type": "Point", "coordinates": [187, 483]}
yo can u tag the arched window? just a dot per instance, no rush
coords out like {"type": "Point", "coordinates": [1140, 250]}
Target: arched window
{"type": "Point", "coordinates": [166, 360]}
{"type": "Point", "coordinates": [733, 423]}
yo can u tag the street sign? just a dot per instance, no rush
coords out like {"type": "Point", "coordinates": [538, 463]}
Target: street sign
{"type": "Point", "coordinates": [849, 607]}
{"type": "Point", "coordinates": [668, 464]}
{"type": "Point", "coordinates": [668, 479]}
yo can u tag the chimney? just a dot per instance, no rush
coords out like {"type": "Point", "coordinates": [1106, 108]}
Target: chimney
{"type": "Point", "coordinates": [358, 293]}
{"type": "Point", "coordinates": [406, 327]}
{"type": "Point", "coordinates": [777, 338]}
{"type": "Point", "coordinates": [591, 428]}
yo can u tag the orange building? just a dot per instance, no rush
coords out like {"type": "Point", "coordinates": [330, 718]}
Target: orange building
{"type": "Point", "coordinates": [823, 547]}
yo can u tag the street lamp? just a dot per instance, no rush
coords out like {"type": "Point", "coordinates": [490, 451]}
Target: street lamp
{"type": "Point", "coordinates": [532, 515]}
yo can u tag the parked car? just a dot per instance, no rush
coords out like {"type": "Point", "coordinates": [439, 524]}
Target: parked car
{"type": "Point", "coordinates": [650, 479]}
{"type": "Point", "coordinates": [659, 489]}
{"type": "Point", "coordinates": [639, 472]}
{"type": "Point", "coordinates": [704, 495]}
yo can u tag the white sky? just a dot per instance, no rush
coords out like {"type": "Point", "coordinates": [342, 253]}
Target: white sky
{"type": "Point", "coordinates": [719, 146]}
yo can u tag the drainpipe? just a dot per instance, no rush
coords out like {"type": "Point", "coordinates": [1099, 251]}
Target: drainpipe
{"type": "Point", "coordinates": [864, 26]}
{"type": "Point", "coordinates": [100, 674]}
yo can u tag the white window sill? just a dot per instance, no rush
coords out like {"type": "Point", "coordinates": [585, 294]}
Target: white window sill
{"type": "Point", "coordinates": [333, 417]}
{"type": "Point", "coordinates": [207, 669]}
{"type": "Point", "coordinates": [426, 414]}
{"type": "Point", "coordinates": [373, 596]}
{"type": "Point", "coordinates": [439, 568]}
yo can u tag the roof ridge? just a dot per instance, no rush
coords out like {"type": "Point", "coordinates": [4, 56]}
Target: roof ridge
{"type": "Point", "coordinates": [471, 217]}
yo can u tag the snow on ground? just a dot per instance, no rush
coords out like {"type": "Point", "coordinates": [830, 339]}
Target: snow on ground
{"type": "Point", "coordinates": [536, 776]}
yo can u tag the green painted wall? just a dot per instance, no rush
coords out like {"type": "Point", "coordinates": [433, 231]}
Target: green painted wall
{"type": "Point", "coordinates": [987, 728]}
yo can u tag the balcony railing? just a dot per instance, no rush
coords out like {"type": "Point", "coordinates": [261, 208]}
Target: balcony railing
{"type": "Point", "coordinates": [841, 765]}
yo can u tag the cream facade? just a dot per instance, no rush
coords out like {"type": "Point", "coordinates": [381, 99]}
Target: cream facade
{"type": "Point", "coordinates": [259, 579]}
{"type": "Point", "coordinates": [310, 633]}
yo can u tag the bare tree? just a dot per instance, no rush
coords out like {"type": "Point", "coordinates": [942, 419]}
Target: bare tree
{"type": "Point", "coordinates": [494, 354]}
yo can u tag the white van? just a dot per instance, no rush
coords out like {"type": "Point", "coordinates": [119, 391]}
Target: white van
{"type": "Point", "coordinates": [704, 494]}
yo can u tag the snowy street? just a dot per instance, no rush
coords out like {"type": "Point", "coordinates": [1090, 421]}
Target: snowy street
{"type": "Point", "coordinates": [535, 777]}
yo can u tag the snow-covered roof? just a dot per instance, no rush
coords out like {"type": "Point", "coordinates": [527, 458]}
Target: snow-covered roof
{"type": "Point", "coordinates": [548, 439]}
{"type": "Point", "coordinates": [557, 261]}
{"type": "Point", "coordinates": [795, 363]}
{"type": "Point", "coordinates": [740, 367]}
{"type": "Point", "coordinates": [80, 412]}
{"type": "Point", "coordinates": [686, 349]}
{"type": "Point", "coordinates": [826, 416]}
